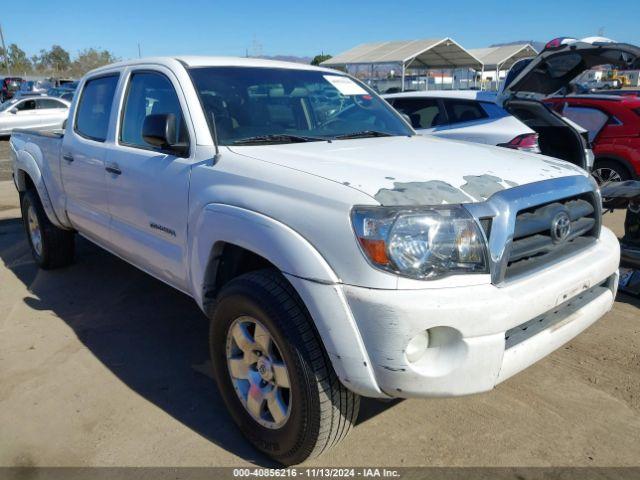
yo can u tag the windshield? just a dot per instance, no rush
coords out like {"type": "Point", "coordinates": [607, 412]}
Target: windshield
{"type": "Point", "coordinates": [278, 105]}
{"type": "Point", "coordinates": [8, 104]}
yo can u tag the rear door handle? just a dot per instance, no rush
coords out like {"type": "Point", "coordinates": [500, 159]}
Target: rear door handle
{"type": "Point", "coordinates": [113, 168]}
{"type": "Point", "coordinates": [68, 157]}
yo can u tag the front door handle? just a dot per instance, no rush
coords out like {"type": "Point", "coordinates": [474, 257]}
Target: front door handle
{"type": "Point", "coordinates": [113, 168]}
{"type": "Point", "coordinates": [68, 157]}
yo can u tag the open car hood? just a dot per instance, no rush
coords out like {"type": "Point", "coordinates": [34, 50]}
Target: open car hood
{"type": "Point", "coordinates": [559, 64]}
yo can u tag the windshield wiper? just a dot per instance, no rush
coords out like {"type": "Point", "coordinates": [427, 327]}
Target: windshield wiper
{"type": "Point", "coordinates": [277, 138]}
{"type": "Point", "coordinates": [363, 134]}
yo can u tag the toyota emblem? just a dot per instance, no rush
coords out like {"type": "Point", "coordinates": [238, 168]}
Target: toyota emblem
{"type": "Point", "coordinates": [560, 227]}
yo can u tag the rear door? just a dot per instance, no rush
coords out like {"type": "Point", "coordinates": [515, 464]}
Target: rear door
{"type": "Point", "coordinates": [148, 187]}
{"type": "Point", "coordinates": [83, 157]}
{"type": "Point", "coordinates": [50, 112]}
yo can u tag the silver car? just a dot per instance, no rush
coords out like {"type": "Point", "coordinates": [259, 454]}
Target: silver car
{"type": "Point", "coordinates": [45, 113]}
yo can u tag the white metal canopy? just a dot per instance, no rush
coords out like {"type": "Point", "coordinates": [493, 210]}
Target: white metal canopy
{"type": "Point", "coordinates": [429, 53]}
{"type": "Point", "coordinates": [503, 57]}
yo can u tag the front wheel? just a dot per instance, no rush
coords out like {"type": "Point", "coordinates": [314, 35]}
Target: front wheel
{"type": "Point", "coordinates": [272, 371]}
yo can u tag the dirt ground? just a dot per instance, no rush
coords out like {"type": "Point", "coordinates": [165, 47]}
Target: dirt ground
{"type": "Point", "coordinates": [5, 165]}
{"type": "Point", "coordinates": [101, 365]}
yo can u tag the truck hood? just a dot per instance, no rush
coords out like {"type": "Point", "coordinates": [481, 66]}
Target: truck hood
{"type": "Point", "coordinates": [415, 170]}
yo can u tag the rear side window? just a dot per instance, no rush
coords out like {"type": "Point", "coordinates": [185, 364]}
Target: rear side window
{"type": "Point", "coordinates": [464, 111]}
{"type": "Point", "coordinates": [423, 112]}
{"type": "Point", "coordinates": [94, 108]}
{"type": "Point", "coordinates": [150, 93]}
{"type": "Point", "coordinates": [493, 110]}
{"type": "Point", "coordinates": [590, 119]}
{"type": "Point", "coordinates": [46, 103]}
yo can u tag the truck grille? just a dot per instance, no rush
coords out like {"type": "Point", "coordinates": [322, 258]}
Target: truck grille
{"type": "Point", "coordinates": [546, 232]}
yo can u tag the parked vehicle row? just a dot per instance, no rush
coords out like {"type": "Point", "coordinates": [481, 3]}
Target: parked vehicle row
{"type": "Point", "coordinates": [336, 253]}
{"type": "Point", "coordinates": [16, 87]}
{"type": "Point", "coordinates": [611, 124]}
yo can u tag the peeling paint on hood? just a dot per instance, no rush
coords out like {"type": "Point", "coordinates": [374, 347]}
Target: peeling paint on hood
{"type": "Point", "coordinates": [415, 170]}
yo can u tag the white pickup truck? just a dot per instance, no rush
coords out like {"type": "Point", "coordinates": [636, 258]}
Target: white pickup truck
{"type": "Point", "coordinates": [335, 252]}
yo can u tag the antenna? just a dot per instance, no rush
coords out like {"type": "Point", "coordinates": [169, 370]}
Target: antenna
{"type": "Point", "coordinates": [601, 32]}
{"type": "Point", "coordinates": [139, 51]}
{"type": "Point", "coordinates": [4, 49]}
{"type": "Point", "coordinates": [256, 47]}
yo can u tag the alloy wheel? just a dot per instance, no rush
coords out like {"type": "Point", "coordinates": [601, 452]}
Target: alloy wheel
{"type": "Point", "coordinates": [34, 230]}
{"type": "Point", "coordinates": [606, 175]}
{"type": "Point", "coordinates": [258, 372]}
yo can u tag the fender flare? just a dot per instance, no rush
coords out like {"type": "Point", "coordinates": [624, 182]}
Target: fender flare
{"type": "Point", "coordinates": [305, 268]}
{"type": "Point", "coordinates": [26, 164]}
{"type": "Point", "coordinates": [284, 247]}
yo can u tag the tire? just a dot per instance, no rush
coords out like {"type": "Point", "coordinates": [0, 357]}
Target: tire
{"type": "Point", "coordinates": [55, 247]}
{"type": "Point", "coordinates": [605, 171]}
{"type": "Point", "coordinates": [321, 411]}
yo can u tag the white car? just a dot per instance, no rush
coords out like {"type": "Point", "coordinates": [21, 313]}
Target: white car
{"type": "Point", "coordinates": [466, 115]}
{"type": "Point", "coordinates": [335, 252]}
{"type": "Point", "coordinates": [44, 113]}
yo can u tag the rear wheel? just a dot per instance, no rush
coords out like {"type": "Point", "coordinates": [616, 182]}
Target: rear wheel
{"type": "Point", "coordinates": [51, 247]}
{"type": "Point", "coordinates": [607, 171]}
{"type": "Point", "coordinates": [272, 370]}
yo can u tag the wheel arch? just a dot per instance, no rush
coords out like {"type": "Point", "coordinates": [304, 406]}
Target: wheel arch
{"type": "Point", "coordinates": [603, 157]}
{"type": "Point", "coordinates": [27, 174]}
{"type": "Point", "coordinates": [222, 230]}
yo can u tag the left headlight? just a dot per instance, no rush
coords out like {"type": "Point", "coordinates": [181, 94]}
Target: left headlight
{"type": "Point", "coordinates": [421, 243]}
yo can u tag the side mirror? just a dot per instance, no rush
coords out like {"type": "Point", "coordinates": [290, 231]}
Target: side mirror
{"type": "Point", "coordinates": [13, 110]}
{"type": "Point", "coordinates": [160, 130]}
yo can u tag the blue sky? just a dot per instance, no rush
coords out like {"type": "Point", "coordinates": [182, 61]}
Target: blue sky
{"type": "Point", "coordinates": [166, 27]}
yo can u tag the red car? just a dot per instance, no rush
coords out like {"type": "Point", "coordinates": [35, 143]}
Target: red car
{"type": "Point", "coordinates": [613, 122]}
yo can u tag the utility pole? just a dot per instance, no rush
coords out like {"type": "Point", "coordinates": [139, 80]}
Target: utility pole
{"type": "Point", "coordinates": [4, 49]}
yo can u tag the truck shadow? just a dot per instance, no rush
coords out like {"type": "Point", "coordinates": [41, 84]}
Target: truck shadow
{"type": "Point", "coordinates": [152, 337]}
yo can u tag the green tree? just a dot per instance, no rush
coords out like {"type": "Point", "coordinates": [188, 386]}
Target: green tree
{"type": "Point", "coordinates": [4, 61]}
{"type": "Point", "coordinates": [58, 59]}
{"type": "Point", "coordinates": [39, 61]}
{"type": "Point", "coordinates": [318, 59]}
{"type": "Point", "coordinates": [91, 58]}
{"type": "Point", "coordinates": [18, 60]}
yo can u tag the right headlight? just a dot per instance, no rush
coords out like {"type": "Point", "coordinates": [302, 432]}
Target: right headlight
{"type": "Point", "coordinates": [421, 243]}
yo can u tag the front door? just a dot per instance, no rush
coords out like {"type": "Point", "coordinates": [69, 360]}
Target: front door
{"type": "Point", "coordinates": [26, 115]}
{"type": "Point", "coordinates": [148, 187]}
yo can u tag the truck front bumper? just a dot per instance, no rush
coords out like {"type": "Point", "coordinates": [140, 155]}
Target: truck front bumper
{"type": "Point", "coordinates": [478, 335]}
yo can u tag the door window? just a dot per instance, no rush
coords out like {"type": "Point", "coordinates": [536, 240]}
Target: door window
{"type": "Point", "coordinates": [423, 112]}
{"type": "Point", "coordinates": [464, 111]}
{"type": "Point", "coordinates": [48, 103]}
{"type": "Point", "coordinates": [26, 105]}
{"type": "Point", "coordinates": [94, 108]}
{"type": "Point", "coordinates": [150, 93]}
